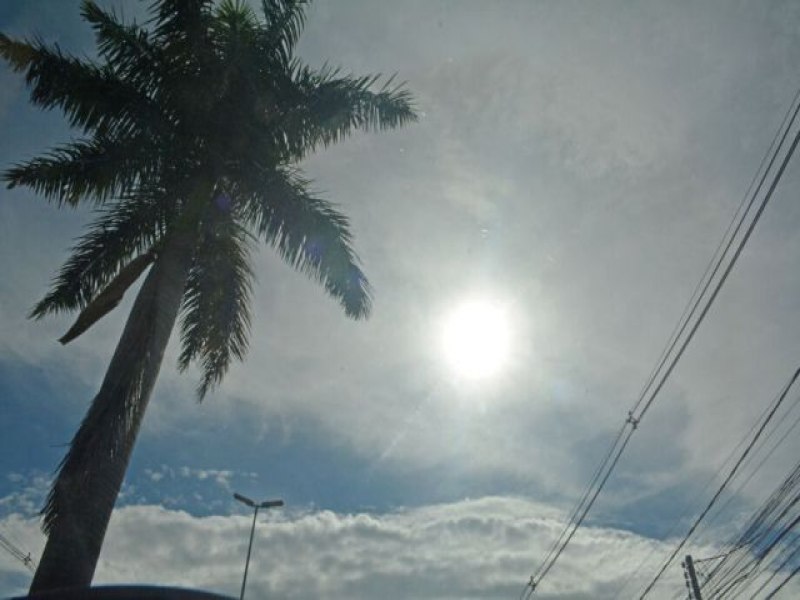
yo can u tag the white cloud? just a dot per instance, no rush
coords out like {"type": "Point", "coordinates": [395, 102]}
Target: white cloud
{"type": "Point", "coordinates": [221, 477]}
{"type": "Point", "coordinates": [483, 548]}
{"type": "Point", "coordinates": [28, 497]}
{"type": "Point", "coordinates": [155, 476]}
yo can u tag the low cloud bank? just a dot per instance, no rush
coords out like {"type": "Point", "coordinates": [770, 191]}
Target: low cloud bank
{"type": "Point", "coordinates": [483, 548]}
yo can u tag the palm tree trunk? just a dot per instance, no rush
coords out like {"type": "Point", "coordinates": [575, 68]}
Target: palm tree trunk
{"type": "Point", "coordinates": [80, 503]}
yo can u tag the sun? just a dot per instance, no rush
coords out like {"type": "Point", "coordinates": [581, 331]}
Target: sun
{"type": "Point", "coordinates": [475, 339]}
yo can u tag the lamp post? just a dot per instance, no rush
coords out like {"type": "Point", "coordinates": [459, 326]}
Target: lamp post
{"type": "Point", "coordinates": [255, 506]}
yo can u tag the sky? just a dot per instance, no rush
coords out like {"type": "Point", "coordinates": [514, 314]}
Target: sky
{"type": "Point", "coordinates": [575, 164]}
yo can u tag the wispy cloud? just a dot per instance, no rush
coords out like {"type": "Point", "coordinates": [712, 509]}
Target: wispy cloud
{"type": "Point", "coordinates": [221, 477]}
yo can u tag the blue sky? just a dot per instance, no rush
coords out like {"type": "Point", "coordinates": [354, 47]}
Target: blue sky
{"type": "Point", "coordinates": [575, 163]}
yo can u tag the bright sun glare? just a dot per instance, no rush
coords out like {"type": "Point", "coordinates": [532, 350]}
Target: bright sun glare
{"type": "Point", "coordinates": [476, 339]}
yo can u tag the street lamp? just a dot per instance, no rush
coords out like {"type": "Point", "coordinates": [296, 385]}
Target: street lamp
{"type": "Point", "coordinates": [255, 506]}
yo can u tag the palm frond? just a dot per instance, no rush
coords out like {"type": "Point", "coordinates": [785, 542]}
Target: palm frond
{"type": "Point", "coordinates": [328, 107]}
{"type": "Point", "coordinates": [181, 23]}
{"type": "Point", "coordinates": [110, 297]}
{"type": "Point", "coordinates": [93, 97]}
{"type": "Point", "coordinates": [215, 321]}
{"type": "Point", "coordinates": [19, 55]}
{"type": "Point", "coordinates": [183, 30]}
{"type": "Point", "coordinates": [126, 47]}
{"type": "Point", "coordinates": [125, 228]}
{"type": "Point", "coordinates": [235, 33]}
{"type": "Point", "coordinates": [308, 233]}
{"type": "Point", "coordinates": [285, 20]}
{"type": "Point", "coordinates": [236, 15]}
{"type": "Point", "coordinates": [96, 169]}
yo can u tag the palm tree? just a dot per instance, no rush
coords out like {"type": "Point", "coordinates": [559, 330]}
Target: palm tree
{"type": "Point", "coordinates": [193, 126]}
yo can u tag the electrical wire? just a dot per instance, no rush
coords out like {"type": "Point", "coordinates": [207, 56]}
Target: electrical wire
{"type": "Point", "coordinates": [680, 327]}
{"type": "Point", "coordinates": [770, 528]}
{"type": "Point", "coordinates": [735, 493]}
{"type": "Point", "coordinates": [789, 557]}
{"type": "Point", "coordinates": [730, 234]}
{"type": "Point", "coordinates": [23, 557]}
{"type": "Point", "coordinates": [788, 578]}
{"type": "Point", "coordinates": [589, 505]}
{"type": "Point", "coordinates": [742, 576]}
{"type": "Point", "coordinates": [762, 442]}
{"type": "Point", "coordinates": [678, 521]}
{"type": "Point", "coordinates": [759, 528]}
{"type": "Point", "coordinates": [755, 569]}
{"type": "Point", "coordinates": [612, 457]}
{"type": "Point", "coordinates": [575, 514]}
{"type": "Point", "coordinates": [724, 484]}
{"type": "Point", "coordinates": [731, 264]}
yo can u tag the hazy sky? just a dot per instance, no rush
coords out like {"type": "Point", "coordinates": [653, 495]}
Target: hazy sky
{"type": "Point", "coordinates": [576, 163]}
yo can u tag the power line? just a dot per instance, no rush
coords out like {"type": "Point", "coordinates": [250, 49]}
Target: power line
{"type": "Point", "coordinates": [768, 535]}
{"type": "Point", "coordinates": [23, 557]}
{"type": "Point", "coordinates": [736, 254]}
{"type": "Point", "coordinates": [670, 357]}
{"type": "Point", "coordinates": [730, 457]}
{"type": "Point", "coordinates": [579, 507]}
{"type": "Point", "coordinates": [789, 557]}
{"type": "Point", "coordinates": [771, 528]}
{"type": "Point", "coordinates": [788, 578]}
{"type": "Point", "coordinates": [724, 484]}
{"type": "Point", "coordinates": [702, 287]}
{"type": "Point", "coordinates": [756, 449]}
{"type": "Point", "coordinates": [721, 510]}
{"type": "Point", "coordinates": [588, 506]}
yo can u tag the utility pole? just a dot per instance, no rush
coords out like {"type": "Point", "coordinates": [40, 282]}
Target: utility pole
{"type": "Point", "coordinates": [690, 578]}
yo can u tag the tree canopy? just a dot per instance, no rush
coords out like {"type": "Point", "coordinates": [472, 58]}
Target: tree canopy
{"type": "Point", "coordinates": [200, 88]}
{"type": "Point", "coordinates": [192, 129]}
